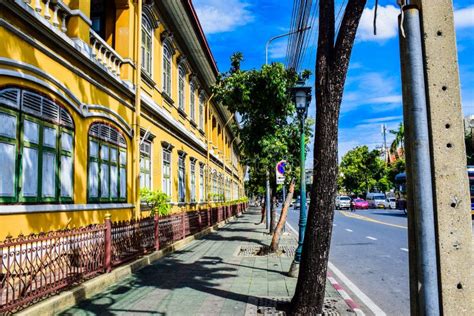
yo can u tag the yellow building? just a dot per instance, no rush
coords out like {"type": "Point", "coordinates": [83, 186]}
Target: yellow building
{"type": "Point", "coordinates": [99, 98]}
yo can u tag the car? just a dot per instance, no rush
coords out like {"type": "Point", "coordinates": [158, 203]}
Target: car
{"type": "Point", "coordinates": [392, 203]}
{"type": "Point", "coordinates": [359, 204]}
{"type": "Point", "coordinates": [343, 202]}
{"type": "Point", "coordinates": [377, 200]}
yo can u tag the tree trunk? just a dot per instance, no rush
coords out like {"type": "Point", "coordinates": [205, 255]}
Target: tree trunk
{"type": "Point", "coordinates": [272, 214]}
{"type": "Point", "coordinates": [331, 68]}
{"type": "Point", "coordinates": [283, 215]}
{"type": "Point", "coordinates": [264, 214]}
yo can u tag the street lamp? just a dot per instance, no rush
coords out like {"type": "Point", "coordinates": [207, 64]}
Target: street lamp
{"type": "Point", "coordinates": [302, 97]}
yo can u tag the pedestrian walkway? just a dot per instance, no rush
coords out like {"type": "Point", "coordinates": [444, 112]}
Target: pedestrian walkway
{"type": "Point", "coordinates": [219, 274]}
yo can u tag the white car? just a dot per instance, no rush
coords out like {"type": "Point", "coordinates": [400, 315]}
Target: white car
{"type": "Point", "coordinates": [343, 202]}
{"type": "Point", "coordinates": [392, 203]}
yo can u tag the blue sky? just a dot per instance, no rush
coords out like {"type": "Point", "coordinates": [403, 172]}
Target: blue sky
{"type": "Point", "coordinates": [373, 90]}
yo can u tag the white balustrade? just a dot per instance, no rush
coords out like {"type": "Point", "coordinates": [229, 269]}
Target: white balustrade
{"type": "Point", "coordinates": [54, 12]}
{"type": "Point", "coordinates": [105, 55]}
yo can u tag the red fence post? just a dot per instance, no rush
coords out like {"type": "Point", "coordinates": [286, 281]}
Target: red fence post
{"type": "Point", "coordinates": [199, 219]}
{"type": "Point", "coordinates": [183, 220]}
{"type": "Point", "coordinates": [157, 232]}
{"type": "Point", "coordinates": [208, 217]}
{"type": "Point", "coordinates": [108, 243]}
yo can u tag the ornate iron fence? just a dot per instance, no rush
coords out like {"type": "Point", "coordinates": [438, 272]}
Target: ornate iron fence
{"type": "Point", "coordinates": [33, 267]}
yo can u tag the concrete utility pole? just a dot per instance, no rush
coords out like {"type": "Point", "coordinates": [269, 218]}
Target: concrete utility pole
{"type": "Point", "coordinates": [448, 158]}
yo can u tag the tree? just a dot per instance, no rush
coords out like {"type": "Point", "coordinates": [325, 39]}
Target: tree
{"type": "Point", "coordinates": [332, 62]}
{"type": "Point", "coordinates": [262, 98]}
{"type": "Point", "coordinates": [399, 141]}
{"type": "Point", "coordinates": [290, 136]}
{"type": "Point", "coordinates": [468, 140]}
{"type": "Point", "coordinates": [362, 171]}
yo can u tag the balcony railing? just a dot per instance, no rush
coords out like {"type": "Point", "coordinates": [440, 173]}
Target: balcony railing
{"type": "Point", "coordinates": [53, 12]}
{"type": "Point", "coordinates": [105, 55]}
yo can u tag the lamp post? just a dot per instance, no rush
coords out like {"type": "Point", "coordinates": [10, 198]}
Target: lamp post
{"type": "Point", "coordinates": [302, 98]}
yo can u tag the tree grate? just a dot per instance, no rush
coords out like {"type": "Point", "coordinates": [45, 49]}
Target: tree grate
{"type": "Point", "coordinates": [260, 251]}
{"type": "Point", "coordinates": [273, 306]}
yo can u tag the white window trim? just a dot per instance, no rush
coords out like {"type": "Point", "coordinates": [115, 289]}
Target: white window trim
{"type": "Point", "coordinates": [171, 172]}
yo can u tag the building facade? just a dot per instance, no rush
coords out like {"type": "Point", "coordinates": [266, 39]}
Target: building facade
{"type": "Point", "coordinates": [99, 98]}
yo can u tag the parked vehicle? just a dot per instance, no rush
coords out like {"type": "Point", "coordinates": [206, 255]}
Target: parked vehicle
{"type": "Point", "coordinates": [343, 202]}
{"type": "Point", "coordinates": [377, 200]}
{"type": "Point", "coordinates": [392, 203]}
{"type": "Point", "coordinates": [359, 204]}
{"type": "Point", "coordinates": [401, 191]}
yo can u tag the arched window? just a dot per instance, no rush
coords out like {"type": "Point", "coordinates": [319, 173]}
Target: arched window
{"type": "Point", "coordinates": [36, 148]}
{"type": "Point", "coordinates": [167, 59]}
{"type": "Point", "coordinates": [181, 81]}
{"type": "Point", "coordinates": [107, 179]}
{"type": "Point", "coordinates": [147, 45]}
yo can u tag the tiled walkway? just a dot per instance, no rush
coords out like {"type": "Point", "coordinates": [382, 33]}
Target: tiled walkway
{"type": "Point", "coordinates": [208, 277]}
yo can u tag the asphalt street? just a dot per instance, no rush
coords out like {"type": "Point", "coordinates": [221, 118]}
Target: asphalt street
{"type": "Point", "coordinates": [370, 247]}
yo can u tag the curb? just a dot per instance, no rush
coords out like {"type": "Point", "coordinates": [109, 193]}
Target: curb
{"type": "Point", "coordinates": [349, 301]}
{"type": "Point", "coordinates": [67, 299]}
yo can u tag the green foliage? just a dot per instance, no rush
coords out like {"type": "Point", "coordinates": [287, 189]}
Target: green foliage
{"type": "Point", "coordinates": [469, 147]}
{"type": "Point", "coordinates": [399, 140]}
{"type": "Point", "coordinates": [156, 200]}
{"type": "Point", "coordinates": [362, 170]}
{"type": "Point", "coordinates": [268, 128]}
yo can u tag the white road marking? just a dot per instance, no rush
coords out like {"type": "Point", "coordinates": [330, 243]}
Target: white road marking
{"type": "Point", "coordinates": [349, 230]}
{"type": "Point", "coordinates": [354, 289]}
{"type": "Point", "coordinates": [334, 225]}
{"type": "Point", "coordinates": [357, 292]}
{"type": "Point", "coordinates": [370, 237]}
{"type": "Point", "coordinates": [404, 249]}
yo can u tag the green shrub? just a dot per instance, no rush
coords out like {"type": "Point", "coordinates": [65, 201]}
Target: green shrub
{"type": "Point", "coordinates": [156, 200]}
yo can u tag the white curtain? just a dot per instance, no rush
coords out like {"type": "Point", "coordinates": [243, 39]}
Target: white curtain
{"type": "Point", "coordinates": [30, 172]}
{"type": "Point", "coordinates": [7, 171]}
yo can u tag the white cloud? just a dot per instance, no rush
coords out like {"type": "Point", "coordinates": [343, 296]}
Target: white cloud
{"type": "Point", "coordinates": [464, 18]}
{"type": "Point", "coordinates": [387, 24]}
{"type": "Point", "coordinates": [383, 119]}
{"type": "Point", "coordinates": [386, 99]}
{"type": "Point", "coordinates": [277, 50]}
{"type": "Point", "coordinates": [374, 89]}
{"type": "Point", "coordinates": [217, 16]}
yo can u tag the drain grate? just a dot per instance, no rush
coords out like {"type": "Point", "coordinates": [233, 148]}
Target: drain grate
{"type": "Point", "coordinates": [269, 306]}
{"type": "Point", "coordinates": [258, 251]}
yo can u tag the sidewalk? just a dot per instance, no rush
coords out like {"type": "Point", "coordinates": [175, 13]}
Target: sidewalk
{"type": "Point", "coordinates": [219, 274]}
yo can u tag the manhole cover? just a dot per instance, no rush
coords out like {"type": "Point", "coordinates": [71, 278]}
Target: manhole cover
{"type": "Point", "coordinates": [257, 251]}
{"type": "Point", "coordinates": [269, 306]}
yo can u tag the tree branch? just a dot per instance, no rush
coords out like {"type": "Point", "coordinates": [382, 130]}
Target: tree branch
{"type": "Point", "coordinates": [345, 40]}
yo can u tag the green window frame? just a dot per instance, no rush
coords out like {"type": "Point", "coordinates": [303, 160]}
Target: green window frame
{"type": "Point", "coordinates": [166, 172]}
{"type": "Point", "coordinates": [193, 180]}
{"type": "Point", "coordinates": [34, 133]}
{"type": "Point", "coordinates": [145, 165]}
{"type": "Point", "coordinates": [107, 165]}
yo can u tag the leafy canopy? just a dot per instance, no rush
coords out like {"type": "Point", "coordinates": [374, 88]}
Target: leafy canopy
{"type": "Point", "coordinates": [268, 128]}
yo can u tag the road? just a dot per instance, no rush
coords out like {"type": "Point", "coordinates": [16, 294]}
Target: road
{"type": "Point", "coordinates": [370, 247]}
